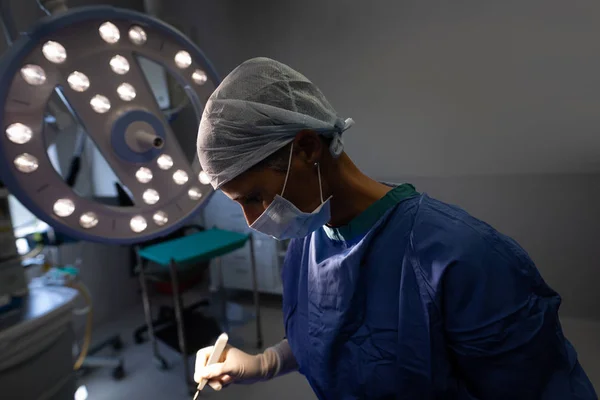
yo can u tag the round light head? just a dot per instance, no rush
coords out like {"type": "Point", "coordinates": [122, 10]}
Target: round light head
{"type": "Point", "coordinates": [199, 77]}
{"type": "Point", "coordinates": [54, 52]}
{"type": "Point", "coordinates": [78, 81]}
{"type": "Point", "coordinates": [26, 163]}
{"type": "Point", "coordinates": [143, 175]}
{"type": "Point", "coordinates": [109, 32]}
{"type": "Point", "coordinates": [151, 196]}
{"type": "Point", "coordinates": [180, 177]}
{"type": "Point", "coordinates": [119, 65]}
{"type": "Point", "coordinates": [137, 35]}
{"type": "Point", "coordinates": [204, 178]}
{"type": "Point", "coordinates": [138, 224]}
{"type": "Point", "coordinates": [88, 220]}
{"type": "Point", "coordinates": [19, 133]}
{"type": "Point", "coordinates": [100, 61]}
{"type": "Point", "coordinates": [183, 59]}
{"type": "Point", "coordinates": [126, 92]}
{"type": "Point", "coordinates": [164, 161]}
{"type": "Point", "coordinates": [160, 218]}
{"type": "Point", "coordinates": [33, 74]}
{"type": "Point", "coordinates": [100, 104]}
{"type": "Point", "coordinates": [63, 207]}
{"type": "Point", "coordinates": [195, 193]}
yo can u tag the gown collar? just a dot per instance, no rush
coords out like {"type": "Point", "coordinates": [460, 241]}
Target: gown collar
{"type": "Point", "coordinates": [362, 223]}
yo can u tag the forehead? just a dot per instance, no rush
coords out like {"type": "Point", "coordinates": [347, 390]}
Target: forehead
{"type": "Point", "coordinates": [256, 179]}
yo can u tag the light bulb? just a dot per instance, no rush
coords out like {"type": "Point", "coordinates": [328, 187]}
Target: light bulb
{"type": "Point", "coordinates": [88, 220]}
{"type": "Point", "coordinates": [194, 193]}
{"type": "Point", "coordinates": [143, 175]}
{"type": "Point", "coordinates": [54, 52]}
{"type": "Point", "coordinates": [119, 65]}
{"type": "Point", "coordinates": [78, 81]}
{"type": "Point", "coordinates": [19, 133]}
{"type": "Point", "coordinates": [183, 59]}
{"type": "Point", "coordinates": [164, 161]}
{"type": "Point", "coordinates": [199, 77]}
{"type": "Point", "coordinates": [63, 207]}
{"type": "Point", "coordinates": [26, 163]}
{"type": "Point", "coordinates": [81, 393]}
{"type": "Point", "coordinates": [203, 178]}
{"type": "Point", "coordinates": [151, 196]}
{"type": "Point", "coordinates": [100, 104]}
{"type": "Point", "coordinates": [126, 92]}
{"type": "Point", "coordinates": [138, 224]}
{"type": "Point", "coordinates": [109, 32]}
{"type": "Point", "coordinates": [180, 177]}
{"type": "Point", "coordinates": [137, 35]}
{"type": "Point", "coordinates": [160, 218]}
{"type": "Point", "coordinates": [33, 74]}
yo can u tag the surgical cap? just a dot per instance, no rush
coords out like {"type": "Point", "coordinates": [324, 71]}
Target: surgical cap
{"type": "Point", "coordinates": [258, 109]}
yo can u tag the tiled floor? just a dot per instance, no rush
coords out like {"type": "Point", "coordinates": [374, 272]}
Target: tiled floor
{"type": "Point", "coordinates": [145, 382]}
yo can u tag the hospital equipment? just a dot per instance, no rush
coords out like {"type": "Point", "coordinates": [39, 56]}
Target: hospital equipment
{"type": "Point", "coordinates": [92, 59]}
{"type": "Point", "coordinates": [192, 249]}
{"type": "Point", "coordinates": [212, 359]}
{"type": "Point", "coordinates": [36, 346]}
{"type": "Point", "coordinates": [13, 284]}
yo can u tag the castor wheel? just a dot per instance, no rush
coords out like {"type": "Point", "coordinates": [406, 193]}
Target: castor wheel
{"type": "Point", "coordinates": [161, 363]}
{"type": "Point", "coordinates": [117, 344]}
{"type": "Point", "coordinates": [118, 373]}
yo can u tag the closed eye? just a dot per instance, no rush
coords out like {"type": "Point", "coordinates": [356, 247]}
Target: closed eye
{"type": "Point", "coordinates": [251, 199]}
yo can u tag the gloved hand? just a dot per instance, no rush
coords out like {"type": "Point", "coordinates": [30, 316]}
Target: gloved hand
{"type": "Point", "coordinates": [235, 366]}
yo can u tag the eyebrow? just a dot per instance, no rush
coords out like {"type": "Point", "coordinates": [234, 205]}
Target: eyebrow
{"type": "Point", "coordinates": [251, 193]}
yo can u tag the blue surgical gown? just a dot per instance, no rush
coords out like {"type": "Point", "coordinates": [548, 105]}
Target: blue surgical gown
{"type": "Point", "coordinates": [416, 299]}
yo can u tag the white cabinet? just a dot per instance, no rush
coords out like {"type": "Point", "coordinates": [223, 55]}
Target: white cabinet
{"type": "Point", "coordinates": [223, 213]}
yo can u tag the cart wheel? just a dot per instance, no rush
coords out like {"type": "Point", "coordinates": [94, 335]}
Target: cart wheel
{"type": "Point", "coordinates": [118, 373]}
{"type": "Point", "coordinates": [117, 344]}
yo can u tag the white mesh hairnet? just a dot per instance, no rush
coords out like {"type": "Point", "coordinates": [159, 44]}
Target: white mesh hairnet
{"type": "Point", "coordinates": [257, 109]}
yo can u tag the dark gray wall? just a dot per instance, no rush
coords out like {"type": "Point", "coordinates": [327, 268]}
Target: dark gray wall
{"type": "Point", "coordinates": [491, 105]}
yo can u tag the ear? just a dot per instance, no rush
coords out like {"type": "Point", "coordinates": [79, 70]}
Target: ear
{"type": "Point", "coordinates": [308, 146]}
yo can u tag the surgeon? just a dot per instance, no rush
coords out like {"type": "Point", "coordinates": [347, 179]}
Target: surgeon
{"type": "Point", "coordinates": [388, 293]}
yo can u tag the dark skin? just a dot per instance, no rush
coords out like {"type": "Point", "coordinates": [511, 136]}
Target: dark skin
{"type": "Point", "coordinates": [352, 191]}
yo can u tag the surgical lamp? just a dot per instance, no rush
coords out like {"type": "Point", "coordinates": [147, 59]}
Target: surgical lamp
{"type": "Point", "coordinates": [89, 56]}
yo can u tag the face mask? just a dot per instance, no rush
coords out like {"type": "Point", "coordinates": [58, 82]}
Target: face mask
{"type": "Point", "coordinates": [283, 220]}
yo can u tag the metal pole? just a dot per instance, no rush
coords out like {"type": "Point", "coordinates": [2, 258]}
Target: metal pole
{"type": "Point", "coordinates": [147, 308]}
{"type": "Point", "coordinates": [222, 296]}
{"type": "Point", "coordinates": [180, 322]}
{"type": "Point", "coordinates": [259, 338]}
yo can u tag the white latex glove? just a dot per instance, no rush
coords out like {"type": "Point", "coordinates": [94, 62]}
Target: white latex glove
{"type": "Point", "coordinates": [235, 366]}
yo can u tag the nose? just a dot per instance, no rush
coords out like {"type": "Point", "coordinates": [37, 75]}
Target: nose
{"type": "Point", "coordinates": [252, 213]}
